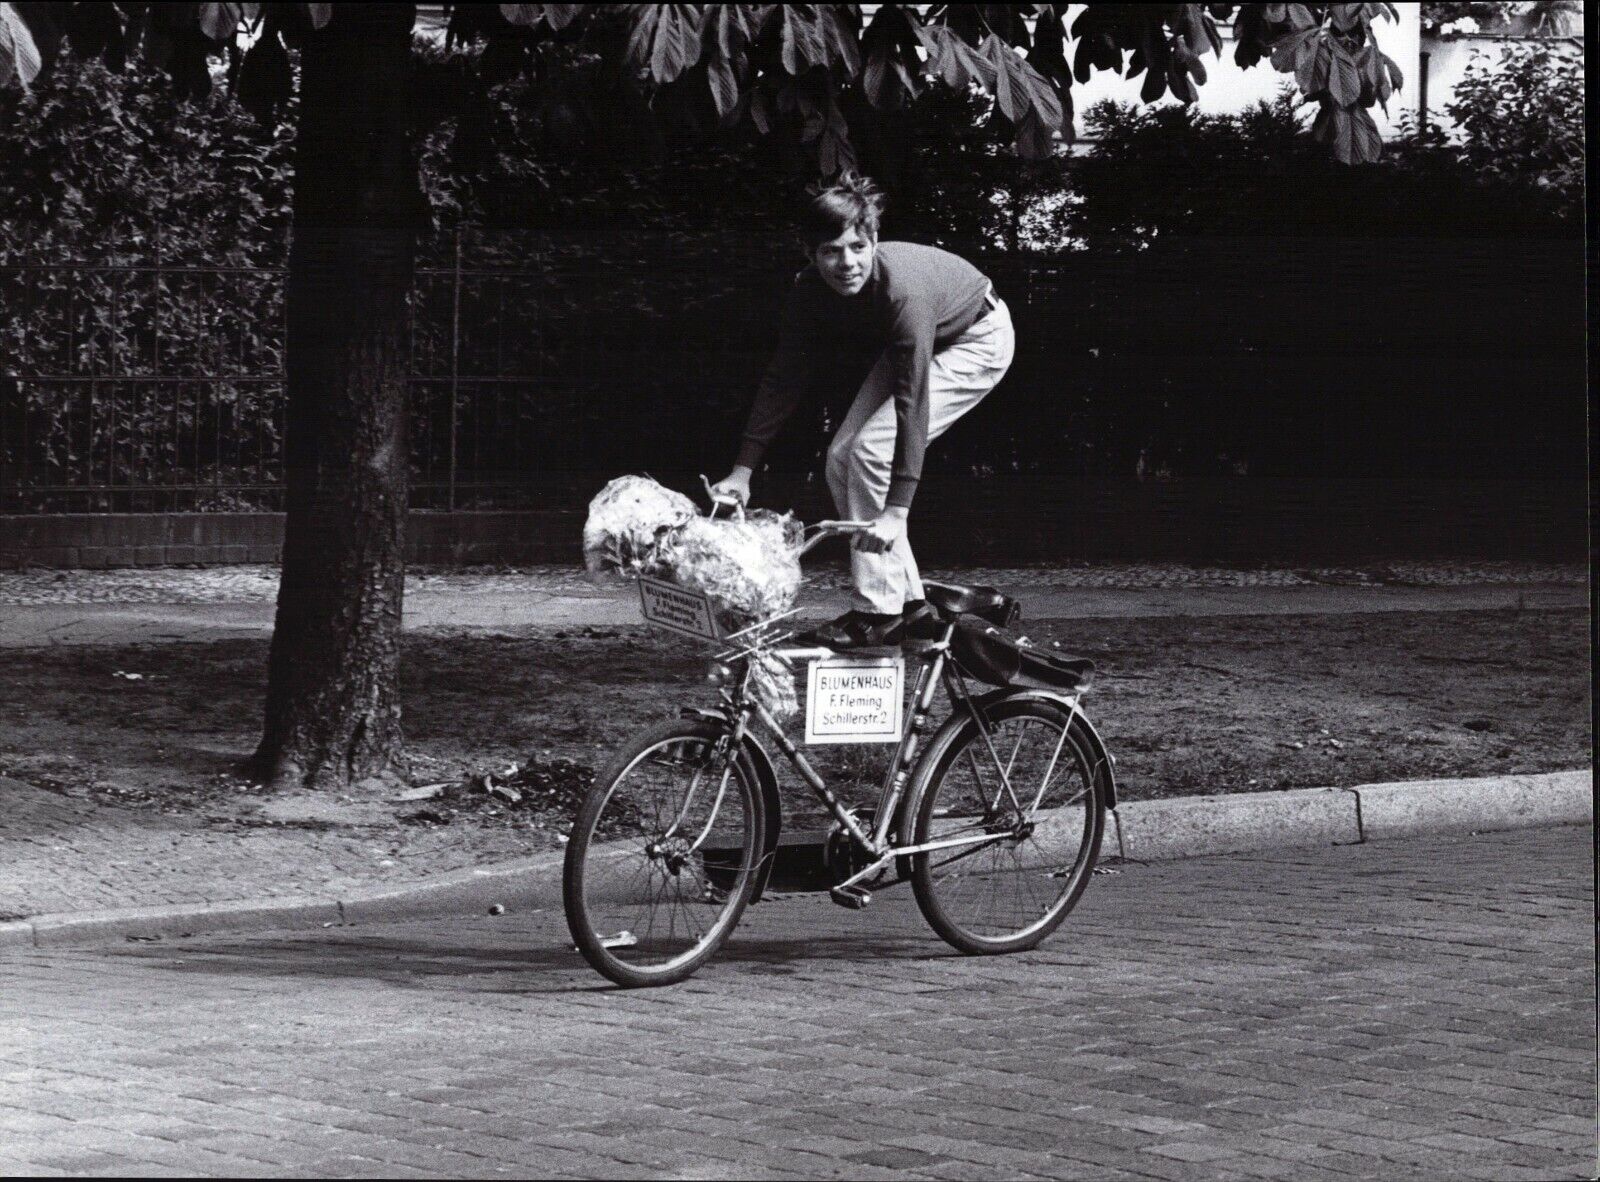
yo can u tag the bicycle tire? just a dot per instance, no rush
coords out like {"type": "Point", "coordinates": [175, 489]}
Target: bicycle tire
{"type": "Point", "coordinates": [626, 858]}
{"type": "Point", "coordinates": [1062, 842]}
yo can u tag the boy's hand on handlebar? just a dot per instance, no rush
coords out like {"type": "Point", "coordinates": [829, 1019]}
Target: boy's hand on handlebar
{"type": "Point", "coordinates": [881, 535]}
{"type": "Point", "coordinates": [734, 487]}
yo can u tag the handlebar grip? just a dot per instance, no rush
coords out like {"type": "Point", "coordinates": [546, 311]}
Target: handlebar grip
{"type": "Point", "coordinates": [827, 529]}
{"type": "Point", "coordinates": [718, 502]}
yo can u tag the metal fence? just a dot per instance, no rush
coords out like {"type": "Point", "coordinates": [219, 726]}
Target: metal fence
{"type": "Point", "coordinates": [124, 388]}
{"type": "Point", "coordinates": [539, 365]}
{"type": "Point", "coordinates": [160, 387]}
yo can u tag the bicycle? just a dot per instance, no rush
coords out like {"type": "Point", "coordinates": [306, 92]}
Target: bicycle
{"type": "Point", "coordinates": [677, 835]}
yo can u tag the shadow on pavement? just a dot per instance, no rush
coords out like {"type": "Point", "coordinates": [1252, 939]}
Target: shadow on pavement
{"type": "Point", "coordinates": [488, 962]}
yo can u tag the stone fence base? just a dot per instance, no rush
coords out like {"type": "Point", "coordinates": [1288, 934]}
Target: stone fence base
{"type": "Point", "coordinates": [174, 539]}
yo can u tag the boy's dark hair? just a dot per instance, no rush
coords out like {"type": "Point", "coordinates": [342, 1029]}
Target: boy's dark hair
{"type": "Point", "coordinates": [852, 202]}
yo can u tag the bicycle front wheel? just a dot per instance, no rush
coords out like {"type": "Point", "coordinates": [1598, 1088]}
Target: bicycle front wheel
{"type": "Point", "coordinates": [662, 857]}
{"type": "Point", "coordinates": [1018, 818]}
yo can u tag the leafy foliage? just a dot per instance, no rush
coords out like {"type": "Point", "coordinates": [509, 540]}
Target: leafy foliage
{"type": "Point", "coordinates": [1220, 252]}
{"type": "Point", "coordinates": [1175, 171]}
{"type": "Point", "coordinates": [801, 67]}
{"type": "Point", "coordinates": [102, 170]}
{"type": "Point", "coordinates": [638, 296]}
{"type": "Point", "coordinates": [19, 55]}
{"type": "Point", "coordinates": [1522, 120]}
{"type": "Point", "coordinates": [1334, 59]}
{"type": "Point", "coordinates": [1541, 18]}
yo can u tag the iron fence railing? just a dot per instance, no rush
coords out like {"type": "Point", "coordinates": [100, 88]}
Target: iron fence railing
{"type": "Point", "coordinates": [161, 386]}
{"type": "Point", "coordinates": [541, 364]}
{"type": "Point", "coordinates": [133, 386]}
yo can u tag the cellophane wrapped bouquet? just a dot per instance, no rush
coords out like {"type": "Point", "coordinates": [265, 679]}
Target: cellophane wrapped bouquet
{"type": "Point", "coordinates": [626, 518]}
{"type": "Point", "coordinates": [749, 567]}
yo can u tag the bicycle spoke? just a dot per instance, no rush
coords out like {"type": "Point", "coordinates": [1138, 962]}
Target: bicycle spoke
{"type": "Point", "coordinates": [964, 852]}
{"type": "Point", "coordinates": [1009, 891]}
{"type": "Point", "coordinates": [977, 775]}
{"type": "Point", "coordinates": [1005, 780]}
{"type": "Point", "coordinates": [652, 876]}
{"type": "Point", "coordinates": [1049, 772]}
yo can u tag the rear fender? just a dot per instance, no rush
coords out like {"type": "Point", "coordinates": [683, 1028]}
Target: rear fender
{"type": "Point", "coordinates": [1080, 727]}
{"type": "Point", "coordinates": [760, 763]}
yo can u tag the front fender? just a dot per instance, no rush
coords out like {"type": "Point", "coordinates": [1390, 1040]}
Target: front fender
{"type": "Point", "coordinates": [1080, 727]}
{"type": "Point", "coordinates": [766, 775]}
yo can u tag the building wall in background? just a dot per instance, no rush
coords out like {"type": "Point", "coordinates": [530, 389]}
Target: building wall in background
{"type": "Point", "coordinates": [1229, 88]}
{"type": "Point", "coordinates": [1448, 57]}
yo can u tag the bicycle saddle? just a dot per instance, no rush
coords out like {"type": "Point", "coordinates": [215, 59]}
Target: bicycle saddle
{"type": "Point", "coordinates": [984, 602]}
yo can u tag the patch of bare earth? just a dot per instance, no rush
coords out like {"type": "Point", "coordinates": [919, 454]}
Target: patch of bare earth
{"type": "Point", "coordinates": [1188, 704]}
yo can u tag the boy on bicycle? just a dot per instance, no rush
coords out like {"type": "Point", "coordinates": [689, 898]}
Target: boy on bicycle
{"type": "Point", "coordinates": [920, 336]}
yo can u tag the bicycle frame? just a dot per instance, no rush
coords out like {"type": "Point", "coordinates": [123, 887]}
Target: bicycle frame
{"type": "Point", "coordinates": [955, 785]}
{"type": "Point", "coordinates": [935, 667]}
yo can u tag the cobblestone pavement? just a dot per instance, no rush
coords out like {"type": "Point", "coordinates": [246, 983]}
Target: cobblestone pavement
{"type": "Point", "coordinates": [1413, 1009]}
{"type": "Point", "coordinates": [259, 584]}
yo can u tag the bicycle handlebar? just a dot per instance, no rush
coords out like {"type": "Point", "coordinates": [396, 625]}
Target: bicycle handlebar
{"type": "Point", "coordinates": [828, 529]}
{"type": "Point", "coordinates": [720, 502]}
{"type": "Point", "coordinates": [816, 532]}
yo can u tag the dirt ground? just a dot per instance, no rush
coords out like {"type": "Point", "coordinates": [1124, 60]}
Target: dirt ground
{"type": "Point", "coordinates": [1189, 704]}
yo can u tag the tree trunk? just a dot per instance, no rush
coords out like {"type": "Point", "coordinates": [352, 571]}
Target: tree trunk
{"type": "Point", "coordinates": [333, 709]}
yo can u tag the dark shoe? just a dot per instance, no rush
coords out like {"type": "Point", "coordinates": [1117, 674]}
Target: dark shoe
{"type": "Point", "coordinates": [856, 629]}
{"type": "Point", "coordinates": [919, 621]}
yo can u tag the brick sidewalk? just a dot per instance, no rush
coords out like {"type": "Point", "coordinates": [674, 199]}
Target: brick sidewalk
{"type": "Point", "coordinates": [1415, 1009]}
{"type": "Point", "coordinates": [503, 606]}
{"type": "Point", "coordinates": [41, 608]}
{"type": "Point", "coordinates": [259, 583]}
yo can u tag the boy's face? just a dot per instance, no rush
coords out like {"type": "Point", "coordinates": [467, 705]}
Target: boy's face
{"type": "Point", "coordinates": [845, 262]}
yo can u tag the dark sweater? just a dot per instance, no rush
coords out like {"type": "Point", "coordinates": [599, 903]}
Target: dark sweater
{"type": "Point", "coordinates": [917, 299]}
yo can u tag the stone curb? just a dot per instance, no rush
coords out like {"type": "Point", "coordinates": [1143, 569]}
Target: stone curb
{"type": "Point", "coordinates": [1192, 826]}
{"type": "Point", "coordinates": [520, 883]}
{"type": "Point", "coordinates": [1146, 830]}
{"type": "Point", "coordinates": [152, 923]}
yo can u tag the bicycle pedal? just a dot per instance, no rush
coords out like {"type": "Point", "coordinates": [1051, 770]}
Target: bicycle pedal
{"type": "Point", "coordinates": [852, 897]}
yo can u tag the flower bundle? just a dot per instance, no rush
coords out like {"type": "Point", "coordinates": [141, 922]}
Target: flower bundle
{"type": "Point", "coordinates": [772, 682]}
{"type": "Point", "coordinates": [748, 567]}
{"type": "Point", "coordinates": [626, 518]}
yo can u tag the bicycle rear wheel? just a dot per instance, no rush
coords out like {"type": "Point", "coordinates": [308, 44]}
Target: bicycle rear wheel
{"type": "Point", "coordinates": [662, 857]}
{"type": "Point", "coordinates": [1019, 859]}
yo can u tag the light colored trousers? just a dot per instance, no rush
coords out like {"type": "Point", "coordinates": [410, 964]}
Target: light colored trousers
{"type": "Point", "coordinates": [862, 451]}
